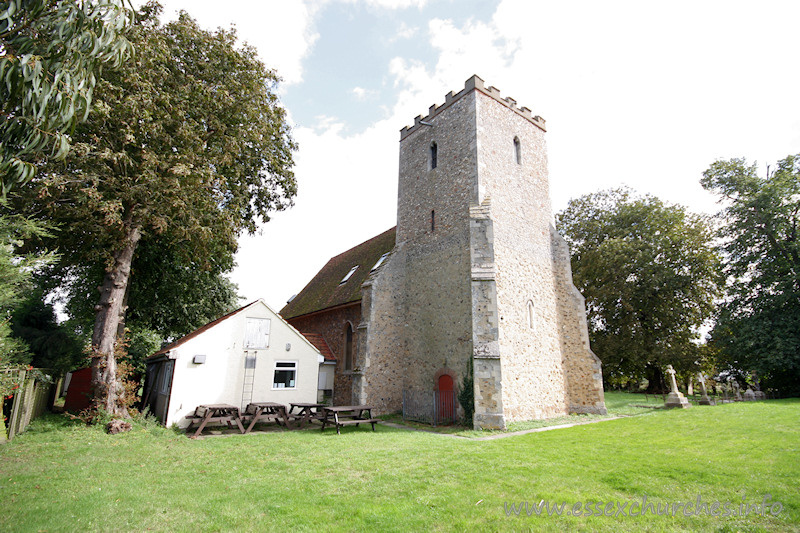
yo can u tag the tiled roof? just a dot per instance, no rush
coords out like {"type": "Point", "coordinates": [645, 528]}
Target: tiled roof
{"type": "Point", "coordinates": [325, 290]}
{"type": "Point", "coordinates": [319, 343]}
{"type": "Point", "coordinates": [200, 330]}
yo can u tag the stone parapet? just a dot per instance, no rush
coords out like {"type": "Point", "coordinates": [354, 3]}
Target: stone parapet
{"type": "Point", "coordinates": [472, 84]}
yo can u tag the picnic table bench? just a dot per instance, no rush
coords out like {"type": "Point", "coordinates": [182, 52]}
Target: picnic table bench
{"type": "Point", "coordinates": [215, 414]}
{"type": "Point", "coordinates": [348, 415]}
{"type": "Point", "coordinates": [266, 412]}
{"type": "Point", "coordinates": [306, 413]}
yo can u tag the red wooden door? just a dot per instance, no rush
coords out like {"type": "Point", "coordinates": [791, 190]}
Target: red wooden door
{"type": "Point", "coordinates": [446, 399]}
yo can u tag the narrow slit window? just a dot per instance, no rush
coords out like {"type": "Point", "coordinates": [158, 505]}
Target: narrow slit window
{"type": "Point", "coordinates": [434, 155]}
{"type": "Point", "coordinates": [531, 315]}
{"type": "Point", "coordinates": [348, 275]}
{"type": "Point", "coordinates": [517, 151]}
{"type": "Point", "coordinates": [433, 221]}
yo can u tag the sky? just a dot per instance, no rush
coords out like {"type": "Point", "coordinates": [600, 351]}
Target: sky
{"type": "Point", "coordinates": [639, 94]}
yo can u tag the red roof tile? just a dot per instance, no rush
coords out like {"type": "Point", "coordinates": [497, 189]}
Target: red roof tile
{"type": "Point", "coordinates": [319, 343]}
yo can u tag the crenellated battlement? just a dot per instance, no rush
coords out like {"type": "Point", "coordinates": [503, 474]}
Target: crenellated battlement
{"type": "Point", "coordinates": [472, 84]}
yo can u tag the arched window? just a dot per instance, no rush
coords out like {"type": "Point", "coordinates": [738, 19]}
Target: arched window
{"type": "Point", "coordinates": [531, 315]}
{"type": "Point", "coordinates": [517, 151]}
{"type": "Point", "coordinates": [434, 155]}
{"type": "Point", "coordinates": [348, 347]}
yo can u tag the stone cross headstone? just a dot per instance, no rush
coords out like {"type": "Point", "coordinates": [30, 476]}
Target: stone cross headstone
{"type": "Point", "coordinates": [673, 384]}
{"type": "Point", "coordinates": [675, 398]}
{"type": "Point", "coordinates": [704, 399]}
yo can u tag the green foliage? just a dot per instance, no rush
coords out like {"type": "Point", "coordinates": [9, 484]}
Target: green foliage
{"type": "Point", "coordinates": [50, 53]}
{"type": "Point", "coordinates": [53, 345]}
{"type": "Point", "coordinates": [466, 396]}
{"type": "Point", "coordinates": [173, 294]}
{"type": "Point", "coordinates": [758, 327]}
{"type": "Point", "coordinates": [16, 271]}
{"type": "Point", "coordinates": [187, 142]}
{"type": "Point", "coordinates": [187, 147]}
{"type": "Point", "coordinates": [168, 294]}
{"type": "Point", "coordinates": [649, 274]}
{"type": "Point", "coordinates": [142, 342]}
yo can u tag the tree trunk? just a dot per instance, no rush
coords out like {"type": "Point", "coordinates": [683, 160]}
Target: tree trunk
{"type": "Point", "coordinates": [655, 380]}
{"type": "Point", "coordinates": [107, 388]}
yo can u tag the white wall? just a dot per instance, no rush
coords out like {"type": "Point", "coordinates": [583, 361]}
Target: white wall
{"type": "Point", "coordinates": [220, 379]}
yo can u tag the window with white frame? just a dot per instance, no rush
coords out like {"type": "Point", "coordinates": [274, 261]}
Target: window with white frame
{"type": "Point", "coordinates": [285, 376]}
{"type": "Point", "coordinates": [256, 336]}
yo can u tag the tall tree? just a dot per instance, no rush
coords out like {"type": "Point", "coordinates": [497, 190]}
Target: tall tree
{"type": "Point", "coordinates": [50, 54]}
{"type": "Point", "coordinates": [649, 274]}
{"type": "Point", "coordinates": [52, 345]}
{"type": "Point", "coordinates": [759, 322]}
{"type": "Point", "coordinates": [16, 272]}
{"type": "Point", "coordinates": [170, 292]}
{"type": "Point", "coordinates": [187, 143]}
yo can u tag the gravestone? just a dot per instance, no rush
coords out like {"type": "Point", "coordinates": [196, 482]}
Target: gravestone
{"type": "Point", "coordinates": [749, 395]}
{"type": "Point", "coordinates": [737, 395]}
{"type": "Point", "coordinates": [675, 398]}
{"type": "Point", "coordinates": [759, 394]}
{"type": "Point", "coordinates": [704, 399]}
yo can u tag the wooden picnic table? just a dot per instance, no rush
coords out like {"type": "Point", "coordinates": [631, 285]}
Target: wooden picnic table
{"type": "Point", "coordinates": [348, 415]}
{"type": "Point", "coordinates": [215, 413]}
{"type": "Point", "coordinates": [267, 412]}
{"type": "Point", "coordinates": [307, 412]}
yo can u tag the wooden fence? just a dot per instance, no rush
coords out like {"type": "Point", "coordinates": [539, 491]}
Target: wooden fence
{"type": "Point", "coordinates": [31, 399]}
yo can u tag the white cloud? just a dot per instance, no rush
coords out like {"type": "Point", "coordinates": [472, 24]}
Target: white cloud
{"type": "Point", "coordinates": [404, 31]}
{"type": "Point", "coordinates": [361, 94]}
{"type": "Point", "coordinates": [391, 4]}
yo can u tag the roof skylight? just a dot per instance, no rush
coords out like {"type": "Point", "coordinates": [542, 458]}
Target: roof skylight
{"type": "Point", "coordinates": [380, 262]}
{"type": "Point", "coordinates": [349, 275]}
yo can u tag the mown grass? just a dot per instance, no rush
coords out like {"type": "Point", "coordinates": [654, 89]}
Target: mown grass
{"type": "Point", "coordinates": [62, 476]}
{"type": "Point", "coordinates": [617, 404]}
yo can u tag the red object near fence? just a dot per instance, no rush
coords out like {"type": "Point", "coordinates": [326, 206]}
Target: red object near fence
{"type": "Point", "coordinates": [79, 391]}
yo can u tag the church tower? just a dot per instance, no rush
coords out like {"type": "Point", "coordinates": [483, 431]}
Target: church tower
{"type": "Point", "coordinates": [479, 282]}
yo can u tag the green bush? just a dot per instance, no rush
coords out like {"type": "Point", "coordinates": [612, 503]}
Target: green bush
{"type": "Point", "coordinates": [466, 396]}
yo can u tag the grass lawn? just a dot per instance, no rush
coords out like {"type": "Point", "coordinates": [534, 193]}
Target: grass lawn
{"type": "Point", "coordinates": [617, 403]}
{"type": "Point", "coordinates": [63, 476]}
